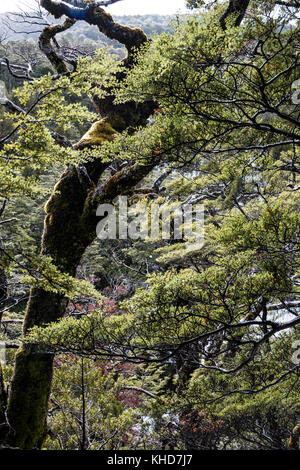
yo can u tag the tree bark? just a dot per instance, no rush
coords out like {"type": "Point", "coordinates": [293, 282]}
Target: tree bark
{"type": "Point", "coordinates": [3, 402]}
{"type": "Point", "coordinates": [70, 226]}
{"type": "Point", "coordinates": [3, 297]}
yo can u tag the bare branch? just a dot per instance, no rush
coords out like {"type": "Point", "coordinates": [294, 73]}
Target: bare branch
{"type": "Point", "coordinates": [22, 21]}
{"type": "Point", "coordinates": [94, 15]}
{"type": "Point", "coordinates": [294, 4]}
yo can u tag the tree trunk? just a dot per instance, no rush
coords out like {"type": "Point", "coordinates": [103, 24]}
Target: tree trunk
{"type": "Point", "coordinates": [70, 226]}
{"type": "Point", "coordinates": [237, 8]}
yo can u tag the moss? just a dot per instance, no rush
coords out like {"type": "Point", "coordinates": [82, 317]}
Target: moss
{"type": "Point", "coordinates": [130, 37]}
{"type": "Point", "coordinates": [296, 431]}
{"type": "Point", "coordinates": [3, 397]}
{"type": "Point", "coordinates": [54, 196]}
{"type": "Point", "coordinates": [69, 227]}
{"type": "Point", "coordinates": [61, 224]}
{"type": "Point", "coordinates": [45, 44]}
{"type": "Point", "coordinates": [101, 131]}
{"type": "Point", "coordinates": [43, 307]}
{"type": "Point", "coordinates": [28, 402]}
{"type": "Point", "coordinates": [250, 317]}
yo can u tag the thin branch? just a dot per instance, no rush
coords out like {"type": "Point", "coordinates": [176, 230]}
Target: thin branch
{"type": "Point", "coordinates": [138, 389]}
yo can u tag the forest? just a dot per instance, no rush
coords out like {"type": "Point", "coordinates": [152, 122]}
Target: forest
{"type": "Point", "coordinates": [150, 227]}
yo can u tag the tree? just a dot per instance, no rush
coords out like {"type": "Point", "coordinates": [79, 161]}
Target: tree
{"type": "Point", "coordinates": [226, 113]}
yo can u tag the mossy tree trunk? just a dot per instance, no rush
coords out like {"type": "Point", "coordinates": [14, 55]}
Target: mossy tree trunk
{"type": "Point", "coordinates": [70, 226]}
{"type": "Point", "coordinates": [3, 299]}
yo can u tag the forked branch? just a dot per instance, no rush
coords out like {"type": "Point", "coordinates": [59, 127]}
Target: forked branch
{"type": "Point", "coordinates": [93, 14]}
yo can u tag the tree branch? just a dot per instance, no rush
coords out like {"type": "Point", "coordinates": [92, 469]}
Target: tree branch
{"type": "Point", "coordinates": [10, 67]}
{"type": "Point", "coordinates": [138, 389]}
{"type": "Point", "coordinates": [294, 4]}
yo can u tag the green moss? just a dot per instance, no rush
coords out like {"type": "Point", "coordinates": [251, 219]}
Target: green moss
{"type": "Point", "coordinates": [54, 196]}
{"type": "Point", "coordinates": [28, 402]}
{"type": "Point", "coordinates": [63, 211]}
{"type": "Point", "coordinates": [101, 131]}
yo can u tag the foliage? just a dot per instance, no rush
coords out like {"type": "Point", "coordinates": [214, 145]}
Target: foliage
{"type": "Point", "coordinates": [210, 332]}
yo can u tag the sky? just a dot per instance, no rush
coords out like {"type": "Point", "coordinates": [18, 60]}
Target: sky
{"type": "Point", "coordinates": [124, 7]}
